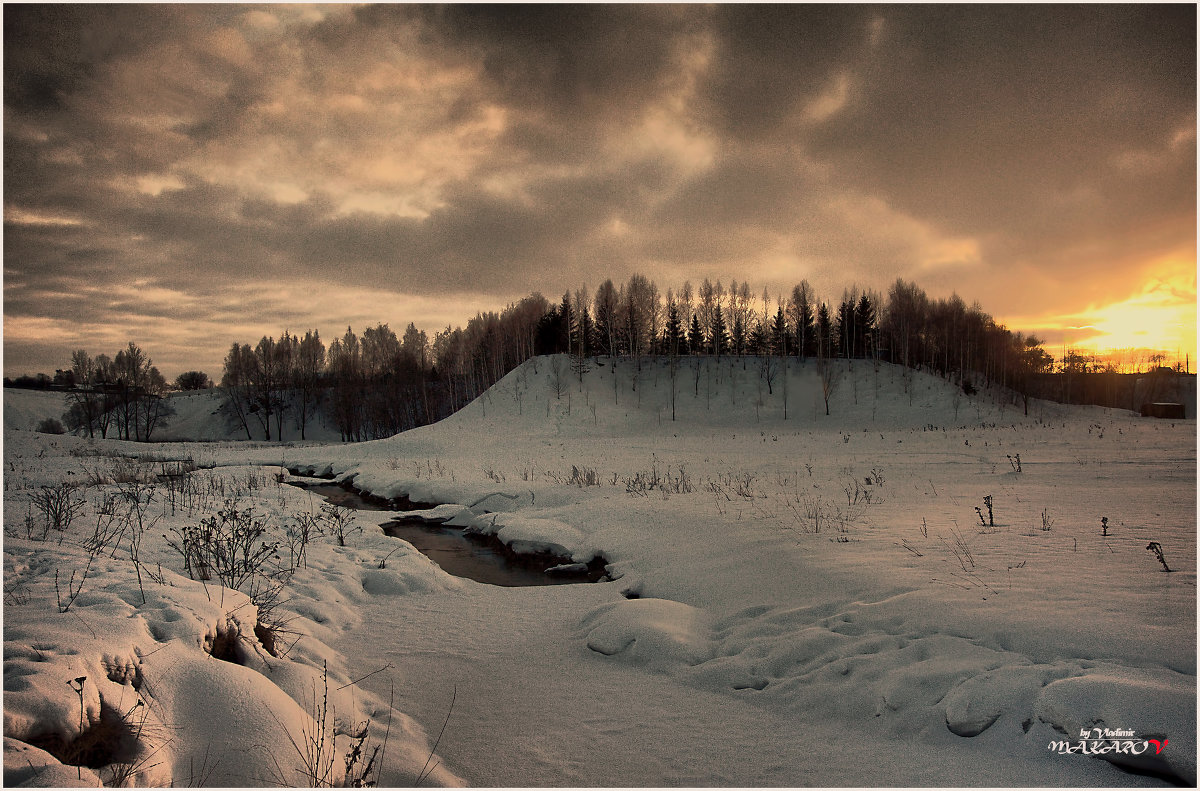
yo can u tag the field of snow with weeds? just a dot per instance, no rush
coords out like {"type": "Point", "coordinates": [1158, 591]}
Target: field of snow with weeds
{"type": "Point", "coordinates": [922, 588]}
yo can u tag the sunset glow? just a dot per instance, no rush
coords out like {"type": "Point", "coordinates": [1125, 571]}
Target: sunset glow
{"type": "Point", "coordinates": [1159, 320]}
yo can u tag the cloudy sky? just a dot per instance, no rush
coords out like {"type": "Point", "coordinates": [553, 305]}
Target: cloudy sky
{"type": "Point", "coordinates": [185, 176]}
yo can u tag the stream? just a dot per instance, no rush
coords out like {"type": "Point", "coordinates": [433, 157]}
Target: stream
{"type": "Point", "coordinates": [470, 555]}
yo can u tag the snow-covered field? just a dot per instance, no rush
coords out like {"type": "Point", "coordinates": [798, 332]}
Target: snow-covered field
{"type": "Point", "coordinates": [809, 601]}
{"type": "Point", "coordinates": [197, 417]}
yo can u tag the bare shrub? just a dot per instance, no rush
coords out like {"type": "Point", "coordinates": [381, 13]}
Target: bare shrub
{"type": "Point", "coordinates": [743, 485]}
{"type": "Point", "coordinates": [305, 525]}
{"type": "Point", "coordinates": [315, 748]}
{"type": "Point", "coordinates": [139, 495]}
{"type": "Point", "coordinates": [230, 545]}
{"type": "Point", "coordinates": [856, 493]}
{"type": "Point", "coordinates": [51, 425]}
{"type": "Point", "coordinates": [73, 588]}
{"type": "Point", "coordinates": [1156, 548]}
{"type": "Point", "coordinates": [639, 484]}
{"type": "Point", "coordinates": [58, 505]}
{"type": "Point", "coordinates": [586, 476]}
{"type": "Point", "coordinates": [679, 484]}
{"type": "Point", "coordinates": [109, 527]}
{"type": "Point", "coordinates": [339, 522]}
{"type": "Point", "coordinates": [960, 550]}
{"type": "Point", "coordinates": [808, 511]}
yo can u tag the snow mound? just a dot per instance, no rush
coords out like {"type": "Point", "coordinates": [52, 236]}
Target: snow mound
{"type": "Point", "coordinates": [148, 667]}
{"type": "Point", "coordinates": [530, 535]}
{"type": "Point", "coordinates": [231, 701]}
{"type": "Point", "coordinates": [658, 633]}
{"type": "Point", "coordinates": [976, 704]}
{"type": "Point", "coordinates": [171, 682]}
{"type": "Point", "coordinates": [25, 766]}
{"type": "Point", "coordinates": [420, 576]}
{"type": "Point", "coordinates": [442, 513]}
{"type": "Point", "coordinates": [1153, 703]}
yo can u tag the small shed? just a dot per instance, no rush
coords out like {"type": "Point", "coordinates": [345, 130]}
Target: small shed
{"type": "Point", "coordinates": [1168, 410]}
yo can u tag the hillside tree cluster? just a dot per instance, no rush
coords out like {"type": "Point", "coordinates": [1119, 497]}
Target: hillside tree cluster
{"type": "Point", "coordinates": [124, 394]}
{"type": "Point", "coordinates": [376, 384]}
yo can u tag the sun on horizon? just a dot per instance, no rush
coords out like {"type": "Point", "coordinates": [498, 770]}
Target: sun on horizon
{"type": "Point", "coordinates": [1152, 327]}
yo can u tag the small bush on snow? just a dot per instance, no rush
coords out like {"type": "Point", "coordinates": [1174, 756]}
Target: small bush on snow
{"type": "Point", "coordinates": [339, 522]}
{"type": "Point", "coordinates": [229, 545]}
{"type": "Point", "coordinates": [58, 505]}
{"type": "Point", "coordinates": [51, 426]}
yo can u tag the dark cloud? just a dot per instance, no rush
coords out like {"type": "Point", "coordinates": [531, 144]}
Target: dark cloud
{"type": "Point", "coordinates": [771, 60]}
{"type": "Point", "coordinates": [573, 60]}
{"type": "Point", "coordinates": [188, 161]}
{"type": "Point", "coordinates": [990, 118]}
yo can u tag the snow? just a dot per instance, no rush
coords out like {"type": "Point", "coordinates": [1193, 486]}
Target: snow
{"type": "Point", "coordinates": [198, 417]}
{"type": "Point", "coordinates": [528, 535]}
{"type": "Point", "coordinates": [24, 409]}
{"type": "Point", "coordinates": [812, 600]}
{"type": "Point", "coordinates": [655, 632]}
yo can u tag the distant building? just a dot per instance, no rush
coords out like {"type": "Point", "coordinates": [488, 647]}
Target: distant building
{"type": "Point", "coordinates": [1170, 411]}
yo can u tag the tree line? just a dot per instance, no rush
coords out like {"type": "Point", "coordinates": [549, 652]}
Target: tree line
{"type": "Point", "coordinates": [376, 384]}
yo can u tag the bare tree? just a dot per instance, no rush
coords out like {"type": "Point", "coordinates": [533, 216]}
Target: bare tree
{"type": "Point", "coordinates": [263, 385]}
{"type": "Point", "coordinates": [153, 406]}
{"type": "Point", "coordinates": [306, 378]}
{"type": "Point", "coordinates": [640, 309]}
{"type": "Point", "coordinates": [831, 376]}
{"type": "Point", "coordinates": [130, 366]}
{"type": "Point", "coordinates": [345, 369]}
{"type": "Point", "coordinates": [192, 380]}
{"type": "Point", "coordinates": [237, 383]}
{"type": "Point", "coordinates": [1030, 359]}
{"type": "Point", "coordinates": [558, 376]}
{"type": "Point", "coordinates": [583, 331]}
{"type": "Point", "coordinates": [86, 401]}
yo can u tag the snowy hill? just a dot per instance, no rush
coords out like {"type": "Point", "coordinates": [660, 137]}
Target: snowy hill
{"type": "Point", "coordinates": [24, 409]}
{"type": "Point", "coordinates": [731, 393]}
{"type": "Point", "coordinates": [707, 392]}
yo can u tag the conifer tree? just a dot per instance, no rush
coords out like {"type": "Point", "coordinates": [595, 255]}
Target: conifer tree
{"type": "Point", "coordinates": [673, 337]}
{"type": "Point", "coordinates": [864, 327]}
{"type": "Point", "coordinates": [719, 341]}
{"type": "Point", "coordinates": [824, 333]}
{"type": "Point", "coordinates": [695, 336]}
{"type": "Point", "coordinates": [779, 333]}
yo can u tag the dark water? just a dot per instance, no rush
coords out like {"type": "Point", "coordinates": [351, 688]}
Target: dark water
{"type": "Point", "coordinates": [481, 558]}
{"type": "Point", "coordinates": [344, 497]}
